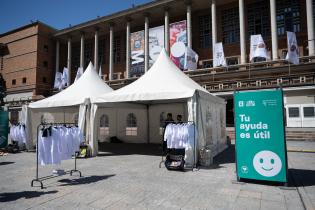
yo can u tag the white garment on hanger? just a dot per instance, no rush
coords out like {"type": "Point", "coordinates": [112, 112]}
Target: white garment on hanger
{"type": "Point", "coordinates": [55, 149]}
{"type": "Point", "coordinates": [60, 144]}
{"type": "Point", "coordinates": [177, 135]}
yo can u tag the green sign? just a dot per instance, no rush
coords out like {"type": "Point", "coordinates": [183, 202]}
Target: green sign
{"type": "Point", "coordinates": [4, 127]}
{"type": "Point", "coordinates": [260, 137]}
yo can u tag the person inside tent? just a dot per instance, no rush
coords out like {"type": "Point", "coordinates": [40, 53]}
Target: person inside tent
{"type": "Point", "coordinates": [179, 118]}
{"type": "Point", "coordinates": [169, 119]}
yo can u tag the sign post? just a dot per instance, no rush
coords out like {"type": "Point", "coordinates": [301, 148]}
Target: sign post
{"type": "Point", "coordinates": [4, 127]}
{"type": "Point", "coordinates": [260, 135]}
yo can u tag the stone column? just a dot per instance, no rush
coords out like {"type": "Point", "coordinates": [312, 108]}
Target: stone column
{"type": "Point", "coordinates": [310, 28]}
{"type": "Point", "coordinates": [242, 32]}
{"type": "Point", "coordinates": [57, 55]}
{"type": "Point", "coordinates": [146, 42]}
{"type": "Point", "coordinates": [128, 48]}
{"type": "Point", "coordinates": [189, 27]}
{"type": "Point", "coordinates": [82, 51]}
{"type": "Point", "coordinates": [167, 30]}
{"type": "Point", "coordinates": [111, 51]}
{"type": "Point", "coordinates": [69, 61]}
{"type": "Point", "coordinates": [214, 24]}
{"type": "Point", "coordinates": [96, 50]}
{"type": "Point", "coordinates": [274, 37]}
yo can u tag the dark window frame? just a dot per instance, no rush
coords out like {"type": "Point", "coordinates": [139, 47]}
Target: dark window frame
{"type": "Point", "coordinates": [205, 31]}
{"type": "Point", "coordinates": [295, 113]}
{"type": "Point", "coordinates": [230, 25]}
{"type": "Point", "coordinates": [258, 18]}
{"type": "Point", "coordinates": [288, 16]}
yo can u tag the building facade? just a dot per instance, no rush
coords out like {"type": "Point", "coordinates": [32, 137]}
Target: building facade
{"type": "Point", "coordinates": [231, 22]}
{"type": "Point", "coordinates": [27, 65]}
{"type": "Point", "coordinates": [123, 45]}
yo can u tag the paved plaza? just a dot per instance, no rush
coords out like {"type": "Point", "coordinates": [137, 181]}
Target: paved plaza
{"type": "Point", "coordinates": [128, 176]}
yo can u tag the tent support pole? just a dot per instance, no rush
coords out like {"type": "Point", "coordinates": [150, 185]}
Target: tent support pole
{"type": "Point", "coordinates": [148, 124]}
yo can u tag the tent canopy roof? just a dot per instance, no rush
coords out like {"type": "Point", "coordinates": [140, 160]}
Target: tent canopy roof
{"type": "Point", "coordinates": [87, 86]}
{"type": "Point", "coordinates": [164, 81]}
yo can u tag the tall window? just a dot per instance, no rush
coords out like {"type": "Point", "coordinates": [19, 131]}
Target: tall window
{"type": "Point", "coordinates": [117, 50]}
{"type": "Point", "coordinates": [258, 18]}
{"type": "Point", "coordinates": [131, 128]}
{"type": "Point", "coordinates": [205, 31]}
{"type": "Point", "coordinates": [104, 126]}
{"type": "Point", "coordinates": [288, 16]}
{"type": "Point", "coordinates": [231, 25]}
{"type": "Point", "coordinates": [101, 51]}
{"type": "Point", "coordinates": [88, 52]}
{"type": "Point", "coordinates": [75, 50]}
{"type": "Point", "coordinates": [1, 63]}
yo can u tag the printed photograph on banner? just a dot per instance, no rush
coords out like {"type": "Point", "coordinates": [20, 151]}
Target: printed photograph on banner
{"type": "Point", "coordinates": [219, 59]}
{"type": "Point", "coordinates": [293, 49]}
{"type": "Point", "coordinates": [156, 43]}
{"type": "Point", "coordinates": [258, 51]}
{"type": "Point", "coordinates": [178, 42]}
{"type": "Point", "coordinates": [137, 54]}
{"type": "Point", "coordinates": [191, 59]}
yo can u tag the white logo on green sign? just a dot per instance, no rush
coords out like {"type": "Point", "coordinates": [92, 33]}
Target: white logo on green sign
{"type": "Point", "coordinates": [267, 163]}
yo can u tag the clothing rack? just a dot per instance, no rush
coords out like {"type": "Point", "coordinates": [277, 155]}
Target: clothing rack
{"type": "Point", "coordinates": [194, 149]}
{"type": "Point", "coordinates": [39, 180]}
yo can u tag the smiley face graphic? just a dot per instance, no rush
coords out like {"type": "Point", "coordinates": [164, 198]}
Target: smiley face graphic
{"type": "Point", "coordinates": [267, 163]}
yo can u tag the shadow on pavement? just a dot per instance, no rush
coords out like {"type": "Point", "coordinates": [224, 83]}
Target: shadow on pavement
{"type": "Point", "coordinates": [303, 177]}
{"type": "Point", "coordinates": [113, 149]}
{"type": "Point", "coordinates": [84, 180]}
{"type": "Point", "coordinates": [227, 156]}
{"type": "Point", "coordinates": [7, 197]}
{"type": "Point", "coordinates": [6, 163]}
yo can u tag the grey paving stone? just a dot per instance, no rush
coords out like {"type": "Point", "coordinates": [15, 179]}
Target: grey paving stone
{"type": "Point", "coordinates": [270, 205]}
{"type": "Point", "coordinates": [246, 203]}
{"type": "Point", "coordinates": [134, 181]}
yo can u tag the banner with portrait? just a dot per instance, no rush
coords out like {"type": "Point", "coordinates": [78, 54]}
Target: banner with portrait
{"type": "Point", "coordinates": [156, 43]}
{"type": "Point", "coordinates": [137, 54]}
{"type": "Point", "coordinates": [178, 42]}
{"type": "Point", "coordinates": [257, 47]}
{"type": "Point", "coordinates": [293, 49]}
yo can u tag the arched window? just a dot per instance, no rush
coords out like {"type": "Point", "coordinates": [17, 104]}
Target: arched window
{"type": "Point", "coordinates": [76, 118]}
{"type": "Point", "coordinates": [104, 121]}
{"type": "Point", "coordinates": [104, 127]}
{"type": "Point", "coordinates": [47, 118]}
{"type": "Point", "coordinates": [131, 128]}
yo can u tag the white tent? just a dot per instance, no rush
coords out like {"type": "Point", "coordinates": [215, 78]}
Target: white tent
{"type": "Point", "coordinates": [145, 102]}
{"type": "Point", "coordinates": [64, 106]}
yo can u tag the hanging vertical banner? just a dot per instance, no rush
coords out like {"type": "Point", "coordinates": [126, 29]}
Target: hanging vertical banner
{"type": "Point", "coordinates": [260, 137]}
{"type": "Point", "coordinates": [156, 43]}
{"type": "Point", "coordinates": [257, 47]}
{"type": "Point", "coordinates": [65, 76]}
{"type": "Point", "coordinates": [4, 128]}
{"type": "Point", "coordinates": [58, 81]}
{"type": "Point", "coordinates": [178, 42]}
{"type": "Point", "coordinates": [79, 74]}
{"type": "Point", "coordinates": [137, 54]}
{"type": "Point", "coordinates": [218, 55]}
{"type": "Point", "coordinates": [191, 59]}
{"type": "Point", "coordinates": [293, 49]}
